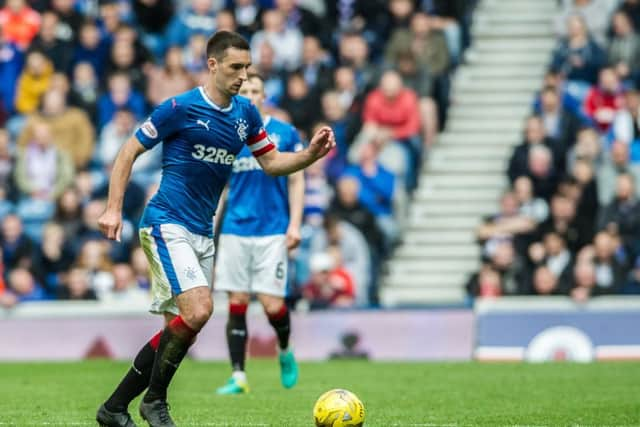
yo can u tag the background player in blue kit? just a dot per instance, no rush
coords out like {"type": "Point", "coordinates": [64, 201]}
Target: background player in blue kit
{"type": "Point", "coordinates": [202, 130]}
{"type": "Point", "coordinates": [261, 223]}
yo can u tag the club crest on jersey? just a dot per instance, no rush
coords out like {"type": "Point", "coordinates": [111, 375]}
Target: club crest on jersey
{"type": "Point", "coordinates": [242, 127]}
{"type": "Point", "coordinates": [149, 129]}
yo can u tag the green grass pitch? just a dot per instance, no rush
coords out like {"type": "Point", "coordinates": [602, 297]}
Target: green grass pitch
{"type": "Point", "coordinates": [394, 394]}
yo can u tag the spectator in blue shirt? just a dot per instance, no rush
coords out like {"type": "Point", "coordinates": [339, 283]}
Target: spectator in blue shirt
{"type": "Point", "coordinates": [11, 60]}
{"type": "Point", "coordinates": [153, 16]}
{"type": "Point", "coordinates": [578, 57]}
{"type": "Point", "coordinates": [377, 187]}
{"type": "Point", "coordinates": [198, 18]}
{"type": "Point", "coordinates": [248, 15]}
{"type": "Point", "coordinates": [17, 248]}
{"type": "Point", "coordinates": [24, 286]}
{"type": "Point", "coordinates": [91, 48]}
{"type": "Point", "coordinates": [345, 127]}
{"type": "Point", "coordinates": [120, 95]}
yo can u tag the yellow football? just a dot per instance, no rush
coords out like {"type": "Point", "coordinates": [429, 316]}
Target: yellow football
{"type": "Point", "coordinates": [338, 408]}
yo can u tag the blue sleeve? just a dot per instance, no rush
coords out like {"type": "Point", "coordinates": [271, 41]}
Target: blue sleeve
{"type": "Point", "coordinates": [255, 122]}
{"type": "Point", "coordinates": [163, 122]}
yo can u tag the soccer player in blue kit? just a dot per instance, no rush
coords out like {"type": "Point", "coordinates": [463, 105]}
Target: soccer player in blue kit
{"type": "Point", "coordinates": [261, 223]}
{"type": "Point", "coordinates": [202, 131]}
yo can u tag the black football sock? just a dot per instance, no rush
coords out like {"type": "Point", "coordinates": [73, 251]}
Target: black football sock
{"type": "Point", "coordinates": [281, 322]}
{"type": "Point", "coordinates": [137, 379]}
{"type": "Point", "coordinates": [175, 341]}
{"type": "Point", "coordinates": [237, 335]}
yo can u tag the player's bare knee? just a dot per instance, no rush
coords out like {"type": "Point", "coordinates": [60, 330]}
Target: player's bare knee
{"type": "Point", "coordinates": [196, 306]}
{"type": "Point", "coordinates": [205, 309]}
{"type": "Point", "coordinates": [239, 298]}
{"type": "Point", "coordinates": [272, 305]}
{"type": "Point", "coordinates": [198, 316]}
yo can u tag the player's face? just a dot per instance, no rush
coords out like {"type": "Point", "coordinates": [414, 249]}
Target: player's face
{"type": "Point", "coordinates": [254, 90]}
{"type": "Point", "coordinates": [231, 71]}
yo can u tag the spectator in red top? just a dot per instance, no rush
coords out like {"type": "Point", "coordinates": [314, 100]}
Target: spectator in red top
{"type": "Point", "coordinates": [331, 285]}
{"type": "Point", "coordinates": [19, 23]}
{"type": "Point", "coordinates": [605, 99]}
{"type": "Point", "coordinates": [393, 106]}
{"type": "Point", "coordinates": [486, 283]}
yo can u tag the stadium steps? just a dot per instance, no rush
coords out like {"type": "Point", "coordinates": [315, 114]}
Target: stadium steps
{"type": "Point", "coordinates": [479, 166]}
{"type": "Point", "coordinates": [422, 268]}
{"type": "Point", "coordinates": [472, 139]}
{"type": "Point", "coordinates": [465, 172]}
{"type": "Point", "coordinates": [470, 86]}
{"type": "Point", "coordinates": [455, 154]}
{"type": "Point", "coordinates": [478, 126]}
{"type": "Point", "coordinates": [483, 100]}
{"type": "Point", "coordinates": [514, 44]}
{"type": "Point", "coordinates": [445, 208]}
{"type": "Point", "coordinates": [439, 237]}
{"type": "Point", "coordinates": [502, 112]}
{"type": "Point", "coordinates": [448, 251]}
{"type": "Point", "coordinates": [469, 182]}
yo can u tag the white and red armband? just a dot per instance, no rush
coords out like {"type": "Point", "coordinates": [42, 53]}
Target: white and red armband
{"type": "Point", "coordinates": [260, 144]}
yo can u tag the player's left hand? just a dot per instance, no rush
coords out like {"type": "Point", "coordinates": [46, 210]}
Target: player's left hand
{"type": "Point", "coordinates": [293, 237]}
{"type": "Point", "coordinates": [321, 143]}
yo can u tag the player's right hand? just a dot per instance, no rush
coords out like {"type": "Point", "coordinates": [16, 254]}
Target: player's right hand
{"type": "Point", "coordinates": [110, 224]}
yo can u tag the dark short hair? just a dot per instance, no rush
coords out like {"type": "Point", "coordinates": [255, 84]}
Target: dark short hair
{"type": "Point", "coordinates": [223, 40]}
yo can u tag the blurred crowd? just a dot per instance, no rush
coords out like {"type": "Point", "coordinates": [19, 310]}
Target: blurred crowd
{"type": "Point", "coordinates": [569, 224]}
{"type": "Point", "coordinates": [78, 76]}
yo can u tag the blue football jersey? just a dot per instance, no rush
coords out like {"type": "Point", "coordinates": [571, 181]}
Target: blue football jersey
{"type": "Point", "coordinates": [257, 203]}
{"type": "Point", "coordinates": [200, 143]}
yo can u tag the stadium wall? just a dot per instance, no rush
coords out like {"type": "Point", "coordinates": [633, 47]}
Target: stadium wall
{"type": "Point", "coordinates": [508, 329]}
{"type": "Point", "coordinates": [545, 329]}
{"type": "Point", "coordinates": [77, 331]}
